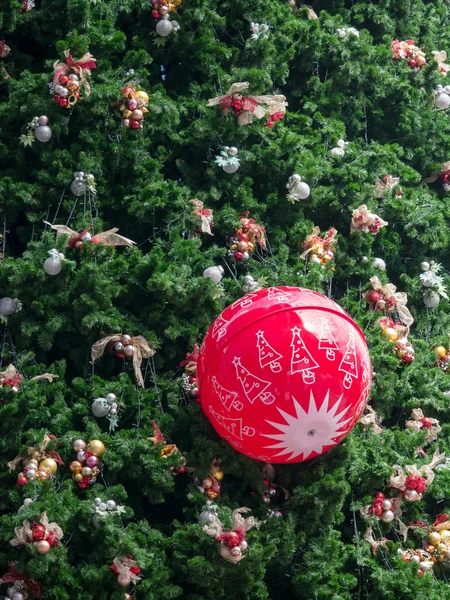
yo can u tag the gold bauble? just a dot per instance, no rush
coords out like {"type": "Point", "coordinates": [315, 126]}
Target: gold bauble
{"type": "Point", "coordinates": [50, 464]}
{"type": "Point", "coordinates": [142, 95]}
{"type": "Point", "coordinates": [72, 86]}
{"type": "Point", "coordinates": [440, 351]}
{"type": "Point", "coordinates": [434, 538]}
{"type": "Point", "coordinates": [96, 447]}
{"type": "Point", "coordinates": [391, 334]}
{"type": "Point", "coordinates": [75, 466]}
{"type": "Point", "coordinates": [77, 477]}
{"type": "Point", "coordinates": [43, 474]}
{"type": "Point", "coordinates": [442, 548]}
{"type": "Point", "coordinates": [251, 246]}
{"type": "Point", "coordinates": [445, 536]}
{"type": "Point", "coordinates": [211, 494]}
{"type": "Point", "coordinates": [218, 475]}
{"type": "Point", "coordinates": [128, 114]}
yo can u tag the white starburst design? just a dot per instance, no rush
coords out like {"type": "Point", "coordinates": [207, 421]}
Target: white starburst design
{"type": "Point", "coordinates": [308, 432]}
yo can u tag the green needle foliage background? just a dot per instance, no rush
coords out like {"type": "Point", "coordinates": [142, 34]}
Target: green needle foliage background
{"type": "Point", "coordinates": [336, 88]}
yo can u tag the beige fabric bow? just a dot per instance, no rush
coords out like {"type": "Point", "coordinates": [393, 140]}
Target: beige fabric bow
{"type": "Point", "coordinates": [400, 298]}
{"type": "Point", "coordinates": [399, 475]}
{"type": "Point", "coordinates": [415, 423]}
{"type": "Point", "coordinates": [215, 527]}
{"type": "Point", "coordinates": [370, 419]}
{"type": "Point", "coordinates": [123, 565]}
{"type": "Point", "coordinates": [24, 534]}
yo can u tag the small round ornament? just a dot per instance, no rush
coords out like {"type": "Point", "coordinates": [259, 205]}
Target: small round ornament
{"type": "Point", "coordinates": [50, 464]}
{"type": "Point", "coordinates": [96, 447]}
{"type": "Point", "coordinates": [43, 547]}
{"type": "Point", "coordinates": [378, 263]}
{"type": "Point", "coordinates": [214, 273]}
{"type": "Point", "coordinates": [284, 374]}
{"type": "Point", "coordinates": [431, 299]}
{"type": "Point", "coordinates": [42, 132]}
{"type": "Point", "coordinates": [100, 407]}
{"type": "Point", "coordinates": [164, 27]}
{"type": "Point", "coordinates": [53, 264]}
{"type": "Point", "coordinates": [230, 168]}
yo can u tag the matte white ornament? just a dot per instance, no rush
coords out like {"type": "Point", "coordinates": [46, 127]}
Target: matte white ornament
{"type": "Point", "coordinates": [214, 273]}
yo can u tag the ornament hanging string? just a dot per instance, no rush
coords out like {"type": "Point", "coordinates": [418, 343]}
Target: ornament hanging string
{"type": "Point", "coordinates": [82, 67]}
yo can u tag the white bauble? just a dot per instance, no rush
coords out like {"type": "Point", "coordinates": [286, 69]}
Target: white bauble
{"type": "Point", "coordinates": [7, 306]}
{"type": "Point", "coordinates": [214, 273]}
{"type": "Point", "coordinates": [424, 265]}
{"type": "Point", "coordinates": [388, 516]}
{"type": "Point", "coordinates": [43, 120]}
{"type": "Point", "coordinates": [100, 407]}
{"type": "Point", "coordinates": [415, 559]}
{"type": "Point", "coordinates": [387, 505]}
{"type": "Point", "coordinates": [431, 299]}
{"type": "Point", "coordinates": [427, 280]}
{"type": "Point", "coordinates": [411, 495]}
{"type": "Point", "coordinates": [164, 27]}
{"type": "Point", "coordinates": [43, 133]}
{"type": "Point", "coordinates": [378, 263]}
{"type": "Point", "coordinates": [230, 168]}
{"type": "Point", "coordinates": [52, 266]}
{"type": "Point", "coordinates": [425, 565]}
{"type": "Point", "coordinates": [206, 517]}
{"type": "Point", "coordinates": [442, 101]}
{"type": "Point", "coordinates": [339, 152]}
{"type": "Point", "coordinates": [76, 189]}
{"type": "Point", "coordinates": [302, 190]}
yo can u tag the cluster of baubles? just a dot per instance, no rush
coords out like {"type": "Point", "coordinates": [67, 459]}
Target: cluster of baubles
{"type": "Point", "coordinates": [133, 107]}
{"type": "Point", "coordinates": [407, 50]}
{"type": "Point", "coordinates": [37, 470]}
{"type": "Point", "coordinates": [210, 486]}
{"type": "Point", "coordinates": [442, 97]}
{"type": "Point", "coordinates": [124, 348]}
{"type": "Point", "coordinates": [8, 306]}
{"type": "Point", "coordinates": [42, 131]}
{"type": "Point", "coordinates": [398, 334]}
{"type": "Point", "coordinates": [86, 468]}
{"type": "Point", "coordinates": [106, 407]}
{"type": "Point", "coordinates": [270, 492]}
{"type": "Point", "coordinates": [228, 159]}
{"type": "Point", "coordinates": [42, 538]}
{"type": "Point", "coordinates": [161, 11]}
{"type": "Point", "coordinates": [66, 92]}
{"type": "Point", "coordinates": [81, 183]}
{"type": "Point", "coordinates": [250, 285]}
{"type": "Point", "coordinates": [439, 544]}
{"type": "Point", "coordinates": [234, 541]}
{"type": "Point", "coordinates": [102, 510]}
{"type": "Point", "coordinates": [443, 361]}
{"type": "Point", "coordinates": [422, 558]}
{"type": "Point", "coordinates": [382, 508]}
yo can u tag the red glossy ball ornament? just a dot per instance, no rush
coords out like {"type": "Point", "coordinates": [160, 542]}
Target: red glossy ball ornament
{"type": "Point", "coordinates": [231, 539]}
{"type": "Point", "coordinates": [238, 255]}
{"type": "Point", "coordinates": [21, 481]}
{"type": "Point", "coordinates": [284, 374]}
{"type": "Point", "coordinates": [135, 124]}
{"type": "Point", "coordinates": [156, 14]}
{"type": "Point", "coordinates": [372, 297]}
{"type": "Point", "coordinates": [37, 531]}
{"type": "Point", "coordinates": [426, 422]}
{"type": "Point", "coordinates": [63, 79]}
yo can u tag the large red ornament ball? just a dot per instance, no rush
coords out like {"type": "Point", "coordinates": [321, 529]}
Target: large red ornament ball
{"type": "Point", "coordinates": [284, 374]}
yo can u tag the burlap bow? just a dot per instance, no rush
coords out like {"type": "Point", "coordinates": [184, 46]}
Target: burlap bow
{"type": "Point", "coordinates": [82, 67]}
{"type": "Point", "coordinates": [400, 474]}
{"type": "Point", "coordinates": [12, 377]}
{"type": "Point", "coordinates": [314, 241]}
{"type": "Point", "coordinates": [369, 537]}
{"type": "Point", "coordinates": [202, 213]}
{"type": "Point", "coordinates": [190, 361]}
{"type": "Point", "coordinates": [398, 299]}
{"type": "Point", "coordinates": [39, 453]}
{"type": "Point", "coordinates": [442, 174]}
{"type": "Point", "coordinates": [387, 183]}
{"type": "Point", "coordinates": [127, 566]}
{"type": "Point", "coordinates": [215, 529]}
{"type": "Point", "coordinates": [30, 585]}
{"type": "Point", "coordinates": [246, 107]}
{"type": "Point", "coordinates": [440, 57]}
{"type": "Point", "coordinates": [416, 423]}
{"type": "Point", "coordinates": [142, 349]}
{"type": "Point", "coordinates": [24, 534]}
{"type": "Point", "coordinates": [364, 220]}
{"type": "Point", "coordinates": [370, 419]}
{"type": "Point", "coordinates": [366, 513]}
{"type": "Point", "coordinates": [254, 231]}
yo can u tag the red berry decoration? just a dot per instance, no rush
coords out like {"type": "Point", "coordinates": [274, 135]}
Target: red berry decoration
{"type": "Point", "coordinates": [284, 374]}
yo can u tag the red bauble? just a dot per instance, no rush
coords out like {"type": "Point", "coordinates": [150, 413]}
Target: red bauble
{"type": "Point", "coordinates": [372, 297]}
{"type": "Point", "coordinates": [135, 124]}
{"type": "Point", "coordinates": [37, 531]}
{"type": "Point", "coordinates": [426, 422]}
{"type": "Point", "coordinates": [63, 79]}
{"type": "Point", "coordinates": [284, 374]}
{"type": "Point", "coordinates": [231, 539]}
{"type": "Point", "coordinates": [22, 481]}
{"type": "Point", "coordinates": [238, 255]}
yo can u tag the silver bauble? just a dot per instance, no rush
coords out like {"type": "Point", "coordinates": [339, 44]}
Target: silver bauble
{"type": "Point", "coordinates": [214, 273]}
{"type": "Point", "coordinates": [110, 398]}
{"type": "Point", "coordinates": [43, 120]}
{"type": "Point", "coordinates": [206, 517]}
{"type": "Point", "coordinates": [415, 559]}
{"type": "Point", "coordinates": [164, 27]}
{"type": "Point", "coordinates": [17, 596]}
{"type": "Point", "coordinates": [425, 565]}
{"type": "Point", "coordinates": [52, 266]}
{"type": "Point", "coordinates": [43, 133]}
{"type": "Point", "coordinates": [387, 505]}
{"type": "Point", "coordinates": [425, 265]}
{"type": "Point", "coordinates": [378, 263]}
{"type": "Point", "coordinates": [243, 545]}
{"type": "Point", "coordinates": [76, 189]}
{"type": "Point", "coordinates": [111, 505]}
{"type": "Point", "coordinates": [431, 299]}
{"type": "Point", "coordinates": [388, 516]}
{"type": "Point", "coordinates": [302, 190]}
{"type": "Point", "coordinates": [118, 347]}
{"type": "Point", "coordinates": [442, 101]}
{"type": "Point", "coordinates": [230, 168]}
{"type": "Point", "coordinates": [73, 77]}
{"type": "Point", "coordinates": [232, 151]}
{"type": "Point", "coordinates": [100, 407]}
{"type": "Point", "coordinates": [63, 92]}
{"type": "Point", "coordinates": [427, 281]}
{"type": "Point", "coordinates": [7, 306]}
{"type": "Point", "coordinates": [102, 506]}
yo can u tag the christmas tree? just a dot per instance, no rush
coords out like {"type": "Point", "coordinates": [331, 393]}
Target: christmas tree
{"type": "Point", "coordinates": [123, 138]}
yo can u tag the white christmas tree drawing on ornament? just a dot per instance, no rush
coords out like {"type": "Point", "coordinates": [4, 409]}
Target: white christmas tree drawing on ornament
{"type": "Point", "coordinates": [228, 399]}
{"type": "Point", "coordinates": [308, 432]}
{"type": "Point", "coordinates": [219, 327]}
{"type": "Point", "coordinates": [233, 426]}
{"type": "Point", "coordinates": [244, 302]}
{"type": "Point", "coordinates": [301, 360]}
{"type": "Point", "coordinates": [268, 357]}
{"type": "Point", "coordinates": [254, 387]}
{"type": "Point", "coordinates": [326, 340]}
{"type": "Point", "coordinates": [348, 363]}
{"type": "Point", "coordinates": [274, 293]}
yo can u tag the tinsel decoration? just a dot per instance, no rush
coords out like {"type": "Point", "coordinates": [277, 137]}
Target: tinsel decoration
{"type": "Point", "coordinates": [365, 221]}
{"type": "Point", "coordinates": [407, 50]}
{"type": "Point", "coordinates": [139, 349]}
{"type": "Point", "coordinates": [70, 77]}
{"type": "Point", "coordinates": [44, 535]}
{"type": "Point", "coordinates": [413, 481]}
{"type": "Point", "coordinates": [204, 214]}
{"type": "Point", "coordinates": [418, 422]}
{"type": "Point", "coordinates": [39, 463]}
{"type": "Point", "coordinates": [167, 450]}
{"type": "Point", "coordinates": [386, 298]}
{"type": "Point", "coordinates": [245, 108]}
{"type": "Point", "coordinates": [22, 587]}
{"type": "Point", "coordinates": [233, 542]}
{"type": "Point", "coordinates": [319, 249]}
{"type": "Point", "coordinates": [79, 239]}
{"type": "Point", "coordinates": [189, 377]}
{"type": "Point", "coordinates": [126, 569]}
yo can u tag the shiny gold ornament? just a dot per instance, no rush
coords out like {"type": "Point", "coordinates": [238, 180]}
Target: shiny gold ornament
{"type": "Point", "coordinates": [128, 114]}
{"type": "Point", "coordinates": [211, 494]}
{"type": "Point", "coordinates": [218, 475]}
{"type": "Point", "coordinates": [50, 464]}
{"type": "Point", "coordinates": [430, 549]}
{"type": "Point", "coordinates": [440, 351]}
{"type": "Point", "coordinates": [143, 95]}
{"type": "Point", "coordinates": [96, 447]}
{"type": "Point", "coordinates": [434, 538]}
{"type": "Point", "coordinates": [75, 466]}
{"type": "Point", "coordinates": [391, 334]}
{"type": "Point", "coordinates": [72, 86]}
{"type": "Point", "coordinates": [251, 246]}
{"type": "Point", "coordinates": [77, 477]}
{"type": "Point", "coordinates": [445, 536]}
